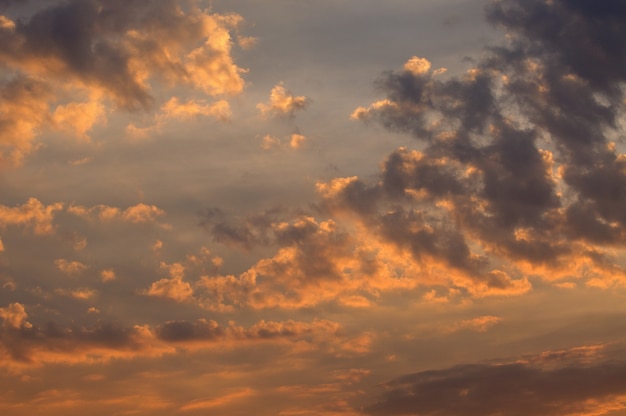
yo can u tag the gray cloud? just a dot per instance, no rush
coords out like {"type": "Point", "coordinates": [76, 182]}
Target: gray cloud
{"type": "Point", "coordinates": [519, 149]}
{"type": "Point", "coordinates": [553, 383]}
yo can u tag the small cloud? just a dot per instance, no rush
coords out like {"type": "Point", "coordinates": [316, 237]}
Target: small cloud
{"type": "Point", "coordinates": [297, 140]}
{"type": "Point", "coordinates": [480, 324]}
{"type": "Point", "coordinates": [283, 103]}
{"type": "Point", "coordinates": [293, 141]}
{"type": "Point", "coordinates": [108, 275]}
{"type": "Point", "coordinates": [417, 65]}
{"type": "Point", "coordinates": [80, 294]}
{"type": "Point", "coordinates": [173, 288]}
{"type": "Point", "coordinates": [268, 142]}
{"type": "Point", "coordinates": [14, 316]}
{"type": "Point", "coordinates": [70, 267]}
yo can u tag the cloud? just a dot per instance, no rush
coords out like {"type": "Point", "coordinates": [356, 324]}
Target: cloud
{"type": "Point", "coordinates": [69, 64]}
{"type": "Point", "coordinates": [173, 288]}
{"type": "Point", "coordinates": [559, 383]}
{"type": "Point", "coordinates": [136, 214]}
{"type": "Point", "coordinates": [23, 112]}
{"type": "Point", "coordinates": [32, 214]}
{"type": "Point", "coordinates": [518, 154]}
{"type": "Point", "coordinates": [218, 401]}
{"type": "Point", "coordinates": [294, 141]}
{"type": "Point", "coordinates": [209, 331]}
{"type": "Point", "coordinates": [14, 316]}
{"type": "Point", "coordinates": [479, 324]}
{"type": "Point", "coordinates": [174, 110]}
{"type": "Point", "coordinates": [23, 344]}
{"type": "Point", "coordinates": [108, 275]}
{"type": "Point", "coordinates": [70, 267]}
{"type": "Point", "coordinates": [282, 104]}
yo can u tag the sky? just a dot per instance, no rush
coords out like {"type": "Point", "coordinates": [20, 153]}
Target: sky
{"type": "Point", "coordinates": [313, 208]}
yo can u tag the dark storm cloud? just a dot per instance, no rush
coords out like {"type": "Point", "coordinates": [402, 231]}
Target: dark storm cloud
{"type": "Point", "coordinates": [502, 139]}
{"type": "Point", "coordinates": [559, 383]}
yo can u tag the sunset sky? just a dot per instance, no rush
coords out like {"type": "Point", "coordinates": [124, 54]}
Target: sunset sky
{"type": "Point", "coordinates": [313, 207]}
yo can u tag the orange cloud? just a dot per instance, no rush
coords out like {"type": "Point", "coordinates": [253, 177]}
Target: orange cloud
{"type": "Point", "coordinates": [173, 288]}
{"type": "Point", "coordinates": [69, 84]}
{"type": "Point", "coordinates": [33, 214]}
{"type": "Point", "coordinates": [480, 324]}
{"type": "Point", "coordinates": [14, 316]}
{"type": "Point", "coordinates": [70, 267]}
{"type": "Point", "coordinates": [136, 214]}
{"type": "Point", "coordinates": [282, 103]}
{"type": "Point", "coordinates": [223, 400]}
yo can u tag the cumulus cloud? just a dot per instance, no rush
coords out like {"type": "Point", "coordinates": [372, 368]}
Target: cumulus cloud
{"type": "Point", "coordinates": [570, 382]}
{"type": "Point", "coordinates": [32, 214]}
{"type": "Point", "coordinates": [518, 154]}
{"type": "Point", "coordinates": [294, 141]}
{"type": "Point", "coordinates": [68, 61]}
{"type": "Point", "coordinates": [317, 261]}
{"type": "Point", "coordinates": [70, 267]}
{"type": "Point", "coordinates": [136, 214]}
{"type": "Point", "coordinates": [173, 288]}
{"type": "Point", "coordinates": [25, 344]}
{"type": "Point", "coordinates": [282, 103]}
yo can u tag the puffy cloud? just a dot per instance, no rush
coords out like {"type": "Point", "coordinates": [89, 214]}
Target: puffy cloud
{"type": "Point", "coordinates": [136, 214]}
{"type": "Point", "coordinates": [22, 343]}
{"type": "Point", "coordinates": [173, 288]}
{"type": "Point", "coordinates": [281, 103]}
{"type": "Point", "coordinates": [293, 141]}
{"type": "Point", "coordinates": [209, 331]}
{"type": "Point", "coordinates": [108, 275]}
{"type": "Point", "coordinates": [25, 344]}
{"type": "Point", "coordinates": [23, 111]}
{"type": "Point", "coordinates": [32, 214]}
{"type": "Point", "coordinates": [297, 141]}
{"type": "Point", "coordinates": [571, 382]}
{"type": "Point", "coordinates": [66, 62]}
{"type": "Point", "coordinates": [78, 118]}
{"type": "Point", "coordinates": [518, 155]}
{"type": "Point", "coordinates": [14, 316]}
{"type": "Point", "coordinates": [269, 142]}
{"type": "Point", "coordinates": [316, 262]}
{"type": "Point", "coordinates": [70, 267]}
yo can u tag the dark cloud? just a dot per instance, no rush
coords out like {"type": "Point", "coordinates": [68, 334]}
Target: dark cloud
{"type": "Point", "coordinates": [556, 383]}
{"type": "Point", "coordinates": [180, 331]}
{"type": "Point", "coordinates": [244, 233]}
{"type": "Point", "coordinates": [29, 343]}
{"type": "Point", "coordinates": [518, 151]}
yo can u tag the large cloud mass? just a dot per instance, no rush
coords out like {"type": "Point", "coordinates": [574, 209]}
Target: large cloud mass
{"type": "Point", "coordinates": [69, 59]}
{"type": "Point", "coordinates": [519, 154]}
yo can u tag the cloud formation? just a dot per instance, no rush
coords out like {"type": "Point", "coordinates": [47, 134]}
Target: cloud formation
{"type": "Point", "coordinates": [570, 382]}
{"type": "Point", "coordinates": [69, 60]}
{"type": "Point", "coordinates": [282, 103]}
{"type": "Point", "coordinates": [25, 344]}
{"type": "Point", "coordinates": [519, 154]}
